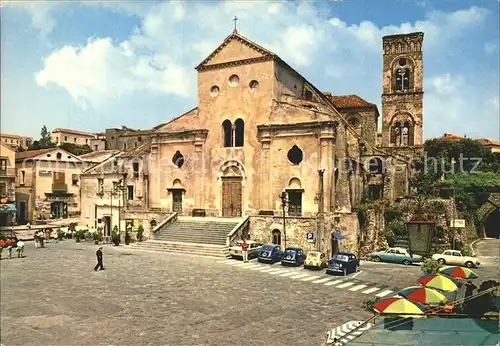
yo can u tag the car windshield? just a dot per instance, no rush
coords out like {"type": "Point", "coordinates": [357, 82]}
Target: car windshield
{"type": "Point", "coordinates": [290, 252]}
{"type": "Point", "coordinates": [313, 255]}
{"type": "Point", "coordinates": [268, 248]}
{"type": "Point", "coordinates": [342, 258]}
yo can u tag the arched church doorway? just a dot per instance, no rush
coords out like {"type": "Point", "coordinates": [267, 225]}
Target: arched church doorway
{"type": "Point", "coordinates": [492, 225]}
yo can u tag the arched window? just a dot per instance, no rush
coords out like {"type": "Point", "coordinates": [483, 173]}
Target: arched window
{"type": "Point", "coordinates": [404, 134]}
{"type": "Point", "coordinates": [396, 134]}
{"type": "Point", "coordinates": [376, 166]}
{"type": "Point", "coordinates": [239, 133]}
{"type": "Point", "coordinates": [227, 129]}
{"type": "Point", "coordinates": [295, 155]}
{"type": "Point", "coordinates": [276, 236]}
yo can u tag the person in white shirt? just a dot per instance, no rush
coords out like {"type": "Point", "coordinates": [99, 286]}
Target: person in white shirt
{"type": "Point", "coordinates": [20, 249]}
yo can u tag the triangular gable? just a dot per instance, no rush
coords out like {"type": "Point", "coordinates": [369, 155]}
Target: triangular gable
{"type": "Point", "coordinates": [184, 122]}
{"type": "Point", "coordinates": [235, 48]}
{"type": "Point", "coordinates": [49, 155]}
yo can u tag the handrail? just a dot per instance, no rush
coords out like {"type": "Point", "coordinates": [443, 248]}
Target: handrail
{"type": "Point", "coordinates": [171, 218]}
{"type": "Point", "coordinates": [237, 228]}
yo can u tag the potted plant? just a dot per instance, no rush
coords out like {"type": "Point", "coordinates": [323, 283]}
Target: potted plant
{"type": "Point", "coordinates": [97, 236]}
{"type": "Point", "coordinates": [140, 233]}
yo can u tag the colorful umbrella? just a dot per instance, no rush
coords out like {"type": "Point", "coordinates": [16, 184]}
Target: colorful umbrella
{"type": "Point", "coordinates": [437, 281]}
{"type": "Point", "coordinates": [458, 272]}
{"type": "Point", "coordinates": [423, 295]}
{"type": "Point", "coordinates": [400, 306]}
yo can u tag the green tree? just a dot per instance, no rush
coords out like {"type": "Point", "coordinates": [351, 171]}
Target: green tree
{"type": "Point", "coordinates": [76, 149]}
{"type": "Point", "coordinates": [44, 141]}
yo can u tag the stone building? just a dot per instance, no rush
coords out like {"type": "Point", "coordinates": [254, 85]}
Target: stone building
{"type": "Point", "coordinates": [7, 185]}
{"type": "Point", "coordinates": [261, 131]}
{"type": "Point", "coordinates": [60, 136]}
{"type": "Point", "coordinates": [16, 141]}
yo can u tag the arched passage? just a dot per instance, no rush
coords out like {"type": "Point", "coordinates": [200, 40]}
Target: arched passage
{"type": "Point", "coordinates": [492, 224]}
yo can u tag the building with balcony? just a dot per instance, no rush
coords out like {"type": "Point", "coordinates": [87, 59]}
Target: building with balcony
{"type": "Point", "coordinates": [47, 184]}
{"type": "Point", "coordinates": [7, 185]}
{"type": "Point", "coordinates": [16, 141]}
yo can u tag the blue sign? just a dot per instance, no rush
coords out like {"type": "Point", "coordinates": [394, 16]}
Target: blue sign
{"type": "Point", "coordinates": [310, 236]}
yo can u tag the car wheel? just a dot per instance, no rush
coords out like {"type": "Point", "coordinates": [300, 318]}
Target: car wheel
{"type": "Point", "coordinates": [356, 269]}
{"type": "Point", "coordinates": [469, 264]}
{"type": "Point", "coordinates": [406, 262]}
{"type": "Point", "coordinates": [376, 259]}
{"type": "Point", "coordinates": [344, 271]}
{"type": "Point", "coordinates": [441, 261]}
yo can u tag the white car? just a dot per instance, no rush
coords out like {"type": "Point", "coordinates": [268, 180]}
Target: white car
{"type": "Point", "coordinates": [253, 249]}
{"type": "Point", "coordinates": [454, 257]}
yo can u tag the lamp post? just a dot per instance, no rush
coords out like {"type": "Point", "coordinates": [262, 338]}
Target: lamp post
{"type": "Point", "coordinates": [321, 210]}
{"type": "Point", "coordinates": [119, 188]}
{"type": "Point", "coordinates": [284, 202]}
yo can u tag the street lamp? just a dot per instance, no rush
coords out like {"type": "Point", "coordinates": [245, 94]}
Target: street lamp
{"type": "Point", "coordinates": [420, 236]}
{"type": "Point", "coordinates": [284, 203]}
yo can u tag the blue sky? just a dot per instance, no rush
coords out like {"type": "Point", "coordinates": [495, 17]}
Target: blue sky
{"type": "Point", "coordinates": [95, 65]}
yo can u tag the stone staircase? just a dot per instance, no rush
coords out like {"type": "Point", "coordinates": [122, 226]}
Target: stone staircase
{"type": "Point", "coordinates": [192, 235]}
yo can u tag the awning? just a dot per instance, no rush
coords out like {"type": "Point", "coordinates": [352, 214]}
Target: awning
{"type": "Point", "coordinates": [338, 235]}
{"type": "Point", "coordinates": [8, 208]}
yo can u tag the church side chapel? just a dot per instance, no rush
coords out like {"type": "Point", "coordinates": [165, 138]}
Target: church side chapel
{"type": "Point", "coordinates": [261, 129]}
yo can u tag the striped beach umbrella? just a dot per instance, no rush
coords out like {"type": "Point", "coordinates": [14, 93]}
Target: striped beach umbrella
{"type": "Point", "coordinates": [423, 295]}
{"type": "Point", "coordinates": [458, 272]}
{"type": "Point", "coordinates": [400, 306]}
{"type": "Point", "coordinates": [437, 281]}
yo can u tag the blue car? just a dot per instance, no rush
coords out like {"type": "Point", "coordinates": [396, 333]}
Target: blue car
{"type": "Point", "coordinates": [270, 253]}
{"type": "Point", "coordinates": [293, 256]}
{"type": "Point", "coordinates": [343, 263]}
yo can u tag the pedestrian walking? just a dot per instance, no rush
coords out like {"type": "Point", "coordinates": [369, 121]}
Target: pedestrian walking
{"type": "Point", "coordinates": [244, 251]}
{"type": "Point", "coordinates": [99, 264]}
{"type": "Point", "coordinates": [8, 243]}
{"type": "Point", "coordinates": [20, 249]}
{"type": "Point", "coordinates": [41, 237]}
{"type": "Point", "coordinates": [28, 225]}
{"type": "Point", "coordinates": [2, 244]}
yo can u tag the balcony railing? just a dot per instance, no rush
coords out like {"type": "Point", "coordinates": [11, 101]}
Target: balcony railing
{"type": "Point", "coordinates": [60, 187]}
{"type": "Point", "coordinates": [8, 172]}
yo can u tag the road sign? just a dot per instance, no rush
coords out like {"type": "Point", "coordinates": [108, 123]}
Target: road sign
{"type": "Point", "coordinates": [457, 223]}
{"type": "Point", "coordinates": [310, 236]}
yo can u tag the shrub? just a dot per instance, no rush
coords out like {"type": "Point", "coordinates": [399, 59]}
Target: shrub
{"type": "Point", "coordinates": [367, 305]}
{"type": "Point", "coordinates": [115, 237]}
{"type": "Point", "coordinates": [97, 236]}
{"type": "Point", "coordinates": [430, 266]}
{"type": "Point", "coordinates": [60, 234]}
{"type": "Point", "coordinates": [140, 232]}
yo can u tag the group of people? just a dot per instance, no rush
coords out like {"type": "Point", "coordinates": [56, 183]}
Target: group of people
{"type": "Point", "coordinates": [12, 243]}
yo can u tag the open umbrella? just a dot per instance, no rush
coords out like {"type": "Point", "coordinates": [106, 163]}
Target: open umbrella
{"type": "Point", "coordinates": [423, 295]}
{"type": "Point", "coordinates": [458, 272]}
{"type": "Point", "coordinates": [400, 306]}
{"type": "Point", "coordinates": [437, 281]}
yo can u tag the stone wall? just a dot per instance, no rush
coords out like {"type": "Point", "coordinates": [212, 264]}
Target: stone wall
{"type": "Point", "coordinates": [372, 236]}
{"type": "Point", "coordinates": [346, 224]}
{"type": "Point", "coordinates": [261, 228]}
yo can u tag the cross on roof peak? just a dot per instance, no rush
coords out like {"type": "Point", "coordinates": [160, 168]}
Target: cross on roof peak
{"type": "Point", "coordinates": [235, 19]}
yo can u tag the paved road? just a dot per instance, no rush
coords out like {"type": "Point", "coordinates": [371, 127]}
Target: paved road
{"type": "Point", "coordinates": [54, 297]}
{"type": "Point", "coordinates": [488, 253]}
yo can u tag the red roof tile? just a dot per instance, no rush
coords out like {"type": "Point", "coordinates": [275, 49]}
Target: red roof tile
{"type": "Point", "coordinates": [75, 132]}
{"type": "Point", "coordinates": [485, 141]}
{"type": "Point", "coordinates": [32, 153]}
{"type": "Point", "coordinates": [350, 101]}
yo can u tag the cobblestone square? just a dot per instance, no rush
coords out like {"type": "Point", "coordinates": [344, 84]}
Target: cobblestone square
{"type": "Point", "coordinates": [53, 297]}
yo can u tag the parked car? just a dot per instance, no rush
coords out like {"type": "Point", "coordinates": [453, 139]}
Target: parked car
{"type": "Point", "coordinates": [395, 255]}
{"type": "Point", "coordinates": [454, 257]}
{"type": "Point", "coordinates": [293, 256]}
{"type": "Point", "coordinates": [270, 253]}
{"type": "Point", "coordinates": [315, 259]}
{"type": "Point", "coordinates": [343, 262]}
{"type": "Point", "coordinates": [253, 249]}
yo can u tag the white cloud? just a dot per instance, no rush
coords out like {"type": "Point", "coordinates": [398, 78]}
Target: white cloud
{"type": "Point", "coordinates": [160, 54]}
{"type": "Point", "coordinates": [41, 14]}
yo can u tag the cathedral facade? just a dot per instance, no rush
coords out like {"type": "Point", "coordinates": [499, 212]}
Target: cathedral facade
{"type": "Point", "coordinates": [262, 131]}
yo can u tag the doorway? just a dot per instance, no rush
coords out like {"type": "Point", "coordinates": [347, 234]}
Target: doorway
{"type": "Point", "coordinates": [177, 201]}
{"type": "Point", "coordinates": [21, 214]}
{"type": "Point", "coordinates": [492, 225]}
{"type": "Point", "coordinates": [231, 196]}
{"type": "Point", "coordinates": [107, 226]}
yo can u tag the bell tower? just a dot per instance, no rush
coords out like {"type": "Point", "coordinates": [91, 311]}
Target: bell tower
{"type": "Point", "coordinates": [402, 90]}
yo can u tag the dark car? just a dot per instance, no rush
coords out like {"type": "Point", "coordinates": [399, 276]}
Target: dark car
{"type": "Point", "coordinates": [293, 256]}
{"type": "Point", "coordinates": [270, 253]}
{"type": "Point", "coordinates": [344, 263]}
